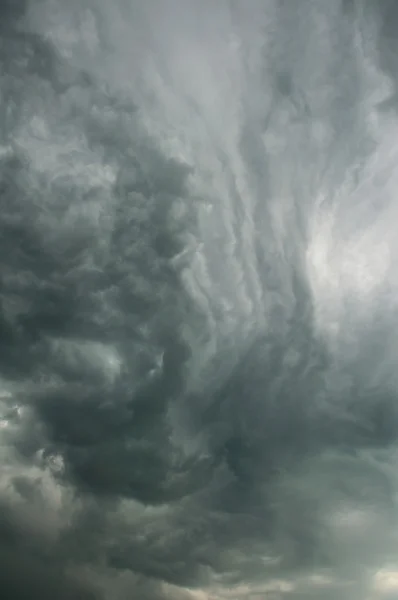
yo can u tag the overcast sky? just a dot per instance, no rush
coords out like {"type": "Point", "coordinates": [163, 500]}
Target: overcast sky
{"type": "Point", "coordinates": [198, 299]}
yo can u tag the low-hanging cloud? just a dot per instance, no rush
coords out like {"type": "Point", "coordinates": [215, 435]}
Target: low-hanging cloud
{"type": "Point", "coordinates": [198, 298]}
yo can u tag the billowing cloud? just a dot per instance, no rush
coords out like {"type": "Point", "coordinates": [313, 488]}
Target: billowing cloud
{"type": "Point", "coordinates": [198, 297]}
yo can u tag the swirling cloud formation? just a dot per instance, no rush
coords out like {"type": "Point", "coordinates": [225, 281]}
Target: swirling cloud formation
{"type": "Point", "coordinates": [198, 299]}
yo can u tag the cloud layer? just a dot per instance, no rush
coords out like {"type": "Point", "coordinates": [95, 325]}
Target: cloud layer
{"type": "Point", "coordinates": [198, 291]}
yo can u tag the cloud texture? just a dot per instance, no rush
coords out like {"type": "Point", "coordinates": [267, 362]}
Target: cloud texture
{"type": "Point", "coordinates": [198, 299]}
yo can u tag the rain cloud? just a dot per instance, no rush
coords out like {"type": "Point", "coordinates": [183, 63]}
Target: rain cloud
{"type": "Point", "coordinates": [198, 299]}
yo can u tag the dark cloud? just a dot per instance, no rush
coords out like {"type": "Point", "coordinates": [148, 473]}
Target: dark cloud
{"type": "Point", "coordinates": [197, 300]}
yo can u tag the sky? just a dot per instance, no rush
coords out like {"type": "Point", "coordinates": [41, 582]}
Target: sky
{"type": "Point", "coordinates": [198, 300]}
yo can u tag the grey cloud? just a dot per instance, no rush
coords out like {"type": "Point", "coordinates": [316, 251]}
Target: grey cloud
{"type": "Point", "coordinates": [197, 254]}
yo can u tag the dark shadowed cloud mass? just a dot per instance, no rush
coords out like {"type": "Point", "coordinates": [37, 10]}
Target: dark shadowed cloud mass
{"type": "Point", "coordinates": [198, 299]}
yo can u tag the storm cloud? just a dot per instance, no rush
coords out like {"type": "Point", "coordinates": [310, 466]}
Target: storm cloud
{"type": "Point", "coordinates": [198, 299]}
